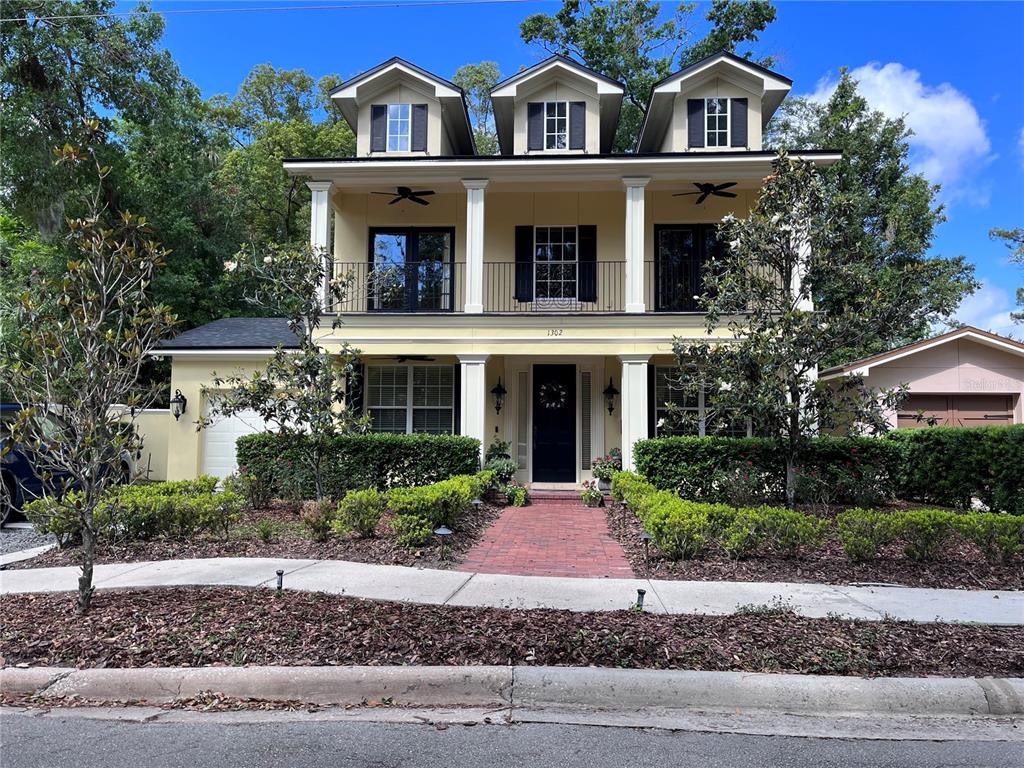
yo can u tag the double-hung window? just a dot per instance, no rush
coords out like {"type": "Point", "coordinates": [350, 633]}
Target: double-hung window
{"type": "Point", "coordinates": [556, 125]}
{"type": "Point", "coordinates": [556, 274]}
{"type": "Point", "coordinates": [716, 116]}
{"type": "Point", "coordinates": [695, 417]}
{"type": "Point", "coordinates": [411, 398]}
{"type": "Point", "coordinates": [399, 127]}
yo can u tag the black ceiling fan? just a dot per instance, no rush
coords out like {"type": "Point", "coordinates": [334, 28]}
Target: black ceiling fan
{"type": "Point", "coordinates": [407, 193]}
{"type": "Point", "coordinates": [708, 188]}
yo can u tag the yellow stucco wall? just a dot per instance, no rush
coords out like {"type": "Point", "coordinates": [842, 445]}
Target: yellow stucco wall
{"type": "Point", "coordinates": [153, 425]}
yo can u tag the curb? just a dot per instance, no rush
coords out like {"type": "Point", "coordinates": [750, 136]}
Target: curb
{"type": "Point", "coordinates": [535, 688]}
{"type": "Point", "coordinates": [20, 555]}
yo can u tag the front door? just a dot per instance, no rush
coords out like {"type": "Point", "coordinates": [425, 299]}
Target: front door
{"type": "Point", "coordinates": [554, 423]}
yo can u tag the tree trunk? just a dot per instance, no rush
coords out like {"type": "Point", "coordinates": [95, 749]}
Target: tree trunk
{"type": "Point", "coordinates": [85, 588]}
{"type": "Point", "coordinates": [790, 482]}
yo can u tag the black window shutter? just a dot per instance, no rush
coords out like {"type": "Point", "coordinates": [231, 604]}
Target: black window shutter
{"type": "Point", "coordinates": [419, 128]}
{"type": "Point", "coordinates": [535, 125]}
{"type": "Point", "coordinates": [738, 137]}
{"type": "Point", "coordinates": [695, 122]}
{"type": "Point", "coordinates": [524, 263]}
{"type": "Point", "coordinates": [577, 125]}
{"type": "Point", "coordinates": [652, 406]}
{"type": "Point", "coordinates": [586, 288]}
{"type": "Point", "coordinates": [354, 389]}
{"type": "Point", "coordinates": [378, 127]}
{"type": "Point", "coordinates": [457, 400]}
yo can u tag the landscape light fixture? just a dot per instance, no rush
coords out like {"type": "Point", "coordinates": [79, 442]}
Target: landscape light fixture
{"type": "Point", "coordinates": [442, 533]}
{"type": "Point", "coordinates": [280, 579]}
{"type": "Point", "coordinates": [645, 537]}
{"type": "Point", "coordinates": [499, 393]}
{"type": "Point", "coordinates": [178, 404]}
{"type": "Point", "coordinates": [640, 599]}
{"type": "Point", "coordinates": [609, 395]}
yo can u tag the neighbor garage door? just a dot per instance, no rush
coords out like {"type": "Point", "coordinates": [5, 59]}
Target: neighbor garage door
{"type": "Point", "coordinates": [956, 411]}
{"type": "Point", "coordinates": [219, 442]}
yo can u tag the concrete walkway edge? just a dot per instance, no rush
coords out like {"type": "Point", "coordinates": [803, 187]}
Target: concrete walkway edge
{"type": "Point", "coordinates": [24, 554]}
{"type": "Point", "coordinates": [487, 590]}
{"type": "Point", "coordinates": [535, 688]}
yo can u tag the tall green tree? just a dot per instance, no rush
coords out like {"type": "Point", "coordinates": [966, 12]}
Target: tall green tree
{"type": "Point", "coordinates": [763, 288]}
{"type": "Point", "coordinates": [1014, 240]}
{"type": "Point", "coordinates": [477, 80]}
{"type": "Point", "coordinates": [887, 216]}
{"type": "Point", "coordinates": [56, 73]}
{"type": "Point", "coordinates": [629, 40]}
{"type": "Point", "coordinates": [276, 114]}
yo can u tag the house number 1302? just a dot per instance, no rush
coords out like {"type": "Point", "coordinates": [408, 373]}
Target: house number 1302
{"type": "Point", "coordinates": [555, 331]}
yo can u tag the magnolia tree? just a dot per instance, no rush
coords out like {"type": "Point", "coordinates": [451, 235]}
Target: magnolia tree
{"type": "Point", "coordinates": [75, 361]}
{"type": "Point", "coordinates": [761, 286]}
{"type": "Point", "coordinates": [301, 390]}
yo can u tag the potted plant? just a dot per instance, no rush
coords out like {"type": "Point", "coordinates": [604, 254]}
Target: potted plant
{"type": "Point", "coordinates": [590, 495]}
{"type": "Point", "coordinates": [603, 467]}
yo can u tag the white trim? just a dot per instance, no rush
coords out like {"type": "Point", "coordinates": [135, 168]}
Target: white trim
{"type": "Point", "coordinates": [674, 82]}
{"type": "Point", "coordinates": [510, 88]}
{"type": "Point", "coordinates": [350, 90]}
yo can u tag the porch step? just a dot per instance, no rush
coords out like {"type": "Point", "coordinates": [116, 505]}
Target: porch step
{"type": "Point", "coordinates": [555, 496]}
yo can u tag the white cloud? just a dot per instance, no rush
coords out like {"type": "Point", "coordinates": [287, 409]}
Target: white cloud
{"type": "Point", "coordinates": [988, 308]}
{"type": "Point", "coordinates": [949, 142]}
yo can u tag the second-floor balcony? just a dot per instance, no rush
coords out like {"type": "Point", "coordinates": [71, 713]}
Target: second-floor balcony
{"type": "Point", "coordinates": [510, 287]}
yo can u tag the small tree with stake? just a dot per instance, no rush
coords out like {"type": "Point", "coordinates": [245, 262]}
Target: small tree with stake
{"type": "Point", "coordinates": [82, 341]}
{"type": "Point", "coordinates": [762, 286]}
{"type": "Point", "coordinates": [300, 391]}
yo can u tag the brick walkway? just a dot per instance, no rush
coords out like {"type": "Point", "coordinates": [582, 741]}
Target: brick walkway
{"type": "Point", "coordinates": [549, 538]}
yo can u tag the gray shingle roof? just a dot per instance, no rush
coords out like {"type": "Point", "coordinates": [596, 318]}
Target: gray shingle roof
{"type": "Point", "coordinates": [235, 333]}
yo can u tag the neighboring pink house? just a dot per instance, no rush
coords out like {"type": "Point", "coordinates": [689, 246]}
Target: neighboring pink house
{"type": "Point", "coordinates": [965, 378]}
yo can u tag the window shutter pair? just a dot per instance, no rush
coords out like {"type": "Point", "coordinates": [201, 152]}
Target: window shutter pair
{"type": "Point", "coordinates": [535, 125]}
{"type": "Point", "coordinates": [695, 123]}
{"type": "Point", "coordinates": [379, 128]}
{"type": "Point", "coordinates": [586, 257]}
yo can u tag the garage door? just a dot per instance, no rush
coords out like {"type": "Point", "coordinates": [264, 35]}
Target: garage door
{"type": "Point", "coordinates": [955, 411]}
{"type": "Point", "coordinates": [219, 442]}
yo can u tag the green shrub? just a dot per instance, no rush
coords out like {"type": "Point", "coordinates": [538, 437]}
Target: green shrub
{"type": "Point", "coordinates": [440, 503]}
{"type": "Point", "coordinates": [216, 512]}
{"type": "Point", "coordinates": [999, 536]}
{"type": "Point", "coordinates": [693, 466]}
{"type": "Point", "coordinates": [412, 530]}
{"type": "Point", "coordinates": [950, 465]}
{"type": "Point", "coordinates": [266, 530]}
{"type": "Point", "coordinates": [58, 517]}
{"type": "Point", "coordinates": [630, 487]}
{"type": "Point", "coordinates": [376, 460]}
{"type": "Point", "coordinates": [863, 532]}
{"type": "Point", "coordinates": [360, 511]}
{"type": "Point", "coordinates": [678, 528]}
{"type": "Point", "coordinates": [516, 495]}
{"type": "Point", "coordinates": [744, 485]}
{"type": "Point", "coordinates": [504, 469]}
{"type": "Point", "coordinates": [924, 531]}
{"type": "Point", "coordinates": [744, 533]}
{"type": "Point", "coordinates": [317, 518]}
{"type": "Point", "coordinates": [790, 531]}
{"type": "Point", "coordinates": [257, 491]}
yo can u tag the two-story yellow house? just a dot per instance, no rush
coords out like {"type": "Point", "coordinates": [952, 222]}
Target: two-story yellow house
{"type": "Point", "coordinates": [531, 295]}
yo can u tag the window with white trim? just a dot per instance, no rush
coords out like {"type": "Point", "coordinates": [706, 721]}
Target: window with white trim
{"type": "Point", "coordinates": [399, 127]}
{"type": "Point", "coordinates": [555, 268]}
{"type": "Point", "coordinates": [697, 421]}
{"type": "Point", "coordinates": [716, 117]}
{"type": "Point", "coordinates": [411, 398]}
{"type": "Point", "coordinates": [556, 125]}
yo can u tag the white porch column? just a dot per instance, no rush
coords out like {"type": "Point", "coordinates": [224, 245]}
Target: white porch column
{"type": "Point", "coordinates": [320, 229]}
{"type": "Point", "coordinates": [473, 407]}
{"type": "Point", "coordinates": [635, 242]}
{"type": "Point", "coordinates": [475, 244]}
{"type": "Point", "coordinates": [634, 405]}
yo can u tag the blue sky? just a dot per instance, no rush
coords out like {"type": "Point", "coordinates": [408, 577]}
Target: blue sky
{"type": "Point", "coordinates": [952, 68]}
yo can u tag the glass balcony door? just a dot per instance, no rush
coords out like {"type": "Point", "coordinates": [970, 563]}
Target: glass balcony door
{"type": "Point", "coordinates": [681, 254]}
{"type": "Point", "coordinates": [412, 269]}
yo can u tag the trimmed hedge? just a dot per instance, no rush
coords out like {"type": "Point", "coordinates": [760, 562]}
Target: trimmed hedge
{"type": "Point", "coordinates": [375, 460]}
{"type": "Point", "coordinates": [420, 511]}
{"type": "Point", "coordinates": [949, 465]}
{"type": "Point", "coordinates": [845, 466]}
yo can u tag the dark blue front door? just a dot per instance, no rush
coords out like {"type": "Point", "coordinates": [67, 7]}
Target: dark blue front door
{"type": "Point", "coordinates": [554, 423]}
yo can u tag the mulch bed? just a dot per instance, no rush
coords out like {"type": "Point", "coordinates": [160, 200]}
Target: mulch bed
{"type": "Point", "coordinates": [961, 567]}
{"type": "Point", "coordinates": [291, 540]}
{"type": "Point", "coordinates": [230, 626]}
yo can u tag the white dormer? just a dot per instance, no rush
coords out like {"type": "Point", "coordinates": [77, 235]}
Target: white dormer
{"type": "Point", "coordinates": [399, 110]}
{"type": "Point", "coordinates": [720, 103]}
{"type": "Point", "coordinates": [556, 107]}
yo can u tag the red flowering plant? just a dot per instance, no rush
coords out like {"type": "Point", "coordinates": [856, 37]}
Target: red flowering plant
{"type": "Point", "coordinates": [605, 466]}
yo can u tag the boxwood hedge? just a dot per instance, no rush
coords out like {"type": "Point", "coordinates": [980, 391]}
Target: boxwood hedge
{"type": "Point", "coordinates": [376, 460]}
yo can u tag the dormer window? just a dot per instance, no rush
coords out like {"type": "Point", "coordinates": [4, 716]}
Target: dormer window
{"type": "Point", "coordinates": [399, 127]}
{"type": "Point", "coordinates": [716, 115]}
{"type": "Point", "coordinates": [556, 124]}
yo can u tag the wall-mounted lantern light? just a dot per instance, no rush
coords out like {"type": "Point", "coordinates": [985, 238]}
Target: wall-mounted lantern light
{"type": "Point", "coordinates": [178, 404]}
{"type": "Point", "coordinates": [499, 393]}
{"type": "Point", "coordinates": [609, 395]}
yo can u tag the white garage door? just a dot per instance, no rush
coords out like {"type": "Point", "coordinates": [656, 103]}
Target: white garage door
{"type": "Point", "coordinates": [219, 442]}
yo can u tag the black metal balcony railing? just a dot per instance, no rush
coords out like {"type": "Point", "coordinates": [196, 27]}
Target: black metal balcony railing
{"type": "Point", "coordinates": [435, 286]}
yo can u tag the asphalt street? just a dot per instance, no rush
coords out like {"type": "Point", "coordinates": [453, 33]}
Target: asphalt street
{"type": "Point", "coordinates": [56, 741]}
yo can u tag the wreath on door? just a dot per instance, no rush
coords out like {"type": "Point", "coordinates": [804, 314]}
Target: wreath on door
{"type": "Point", "coordinates": [553, 395]}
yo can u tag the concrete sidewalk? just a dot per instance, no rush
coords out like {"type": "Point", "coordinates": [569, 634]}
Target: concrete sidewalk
{"type": "Point", "coordinates": [435, 587]}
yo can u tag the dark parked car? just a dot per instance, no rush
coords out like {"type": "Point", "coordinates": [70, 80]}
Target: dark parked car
{"type": "Point", "coordinates": [19, 483]}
